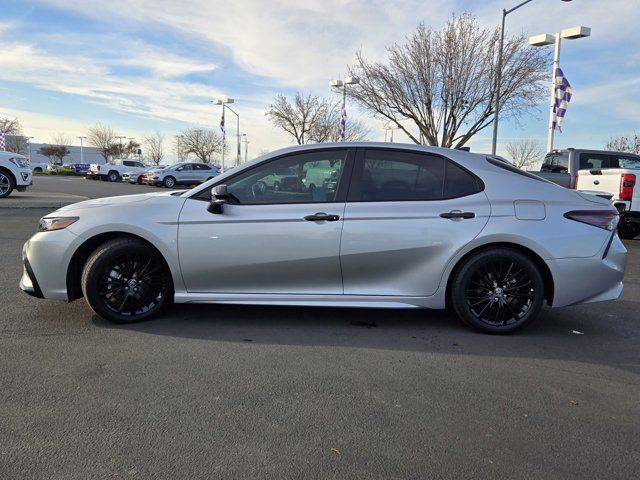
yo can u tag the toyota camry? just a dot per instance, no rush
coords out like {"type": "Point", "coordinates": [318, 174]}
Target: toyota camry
{"type": "Point", "coordinates": [355, 225]}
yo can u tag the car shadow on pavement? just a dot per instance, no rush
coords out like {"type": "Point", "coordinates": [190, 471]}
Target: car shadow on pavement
{"type": "Point", "coordinates": [580, 333]}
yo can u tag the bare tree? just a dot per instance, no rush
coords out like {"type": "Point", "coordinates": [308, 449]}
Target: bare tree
{"type": "Point", "coordinates": [10, 126]}
{"type": "Point", "coordinates": [628, 143]}
{"type": "Point", "coordinates": [61, 139]}
{"type": "Point", "coordinates": [154, 147]}
{"type": "Point", "coordinates": [443, 82]}
{"type": "Point", "coordinates": [298, 118]}
{"type": "Point", "coordinates": [54, 151]}
{"type": "Point", "coordinates": [202, 143]}
{"type": "Point", "coordinates": [103, 138]}
{"type": "Point", "coordinates": [309, 118]}
{"type": "Point", "coordinates": [14, 141]}
{"type": "Point", "coordinates": [327, 128]}
{"type": "Point", "coordinates": [525, 152]}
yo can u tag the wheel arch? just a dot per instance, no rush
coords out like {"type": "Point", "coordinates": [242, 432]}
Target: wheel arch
{"type": "Point", "coordinates": [547, 276]}
{"type": "Point", "coordinates": [6, 170]}
{"type": "Point", "coordinates": [82, 253]}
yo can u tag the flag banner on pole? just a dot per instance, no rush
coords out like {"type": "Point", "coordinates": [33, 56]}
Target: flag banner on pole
{"type": "Point", "coordinates": [2, 140]}
{"type": "Point", "coordinates": [563, 94]}
{"type": "Point", "coordinates": [224, 134]}
{"type": "Point", "coordinates": [343, 121]}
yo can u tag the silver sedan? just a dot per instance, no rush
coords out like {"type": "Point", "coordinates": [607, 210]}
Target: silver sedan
{"type": "Point", "coordinates": [356, 225]}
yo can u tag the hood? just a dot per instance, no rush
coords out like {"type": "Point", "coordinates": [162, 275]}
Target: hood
{"type": "Point", "coordinates": [121, 201]}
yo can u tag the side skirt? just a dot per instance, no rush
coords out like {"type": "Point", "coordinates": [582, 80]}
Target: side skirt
{"type": "Point", "coordinates": [436, 301]}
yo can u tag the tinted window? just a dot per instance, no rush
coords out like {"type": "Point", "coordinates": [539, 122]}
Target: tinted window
{"type": "Point", "coordinates": [400, 176]}
{"type": "Point", "coordinates": [311, 177]}
{"type": "Point", "coordinates": [201, 166]}
{"type": "Point", "coordinates": [127, 163]}
{"type": "Point", "coordinates": [556, 163]}
{"type": "Point", "coordinates": [185, 167]}
{"type": "Point", "coordinates": [140, 165]}
{"type": "Point", "coordinates": [458, 182]}
{"type": "Point", "coordinates": [594, 161]}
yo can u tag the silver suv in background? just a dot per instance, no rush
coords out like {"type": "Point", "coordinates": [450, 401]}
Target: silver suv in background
{"type": "Point", "coordinates": [184, 174]}
{"type": "Point", "coordinates": [15, 173]}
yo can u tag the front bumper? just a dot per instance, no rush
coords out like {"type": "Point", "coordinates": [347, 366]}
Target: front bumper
{"type": "Point", "coordinates": [46, 258]}
{"type": "Point", "coordinates": [28, 282]}
{"type": "Point", "coordinates": [24, 177]}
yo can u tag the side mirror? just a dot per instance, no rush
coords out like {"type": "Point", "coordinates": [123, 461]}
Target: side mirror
{"type": "Point", "coordinates": [219, 196]}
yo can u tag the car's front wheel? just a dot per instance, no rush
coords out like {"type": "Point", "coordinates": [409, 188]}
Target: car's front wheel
{"type": "Point", "coordinates": [498, 290]}
{"type": "Point", "coordinates": [125, 281]}
{"type": "Point", "coordinates": [113, 176]}
{"type": "Point", "coordinates": [169, 182]}
{"type": "Point", "coordinates": [7, 184]}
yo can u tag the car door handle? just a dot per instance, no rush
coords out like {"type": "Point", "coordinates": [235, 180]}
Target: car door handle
{"type": "Point", "coordinates": [458, 214]}
{"type": "Point", "coordinates": [321, 216]}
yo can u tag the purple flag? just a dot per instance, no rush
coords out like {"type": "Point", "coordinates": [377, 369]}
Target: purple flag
{"type": "Point", "coordinates": [563, 94]}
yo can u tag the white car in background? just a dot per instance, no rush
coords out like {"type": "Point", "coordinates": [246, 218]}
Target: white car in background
{"type": "Point", "coordinates": [15, 173]}
{"type": "Point", "coordinates": [114, 170]}
{"type": "Point", "coordinates": [136, 177]}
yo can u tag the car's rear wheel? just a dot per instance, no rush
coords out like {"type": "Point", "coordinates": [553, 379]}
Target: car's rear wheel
{"type": "Point", "coordinates": [113, 176]}
{"type": "Point", "coordinates": [169, 182]}
{"type": "Point", "coordinates": [7, 184]}
{"type": "Point", "coordinates": [498, 290]}
{"type": "Point", "coordinates": [125, 281]}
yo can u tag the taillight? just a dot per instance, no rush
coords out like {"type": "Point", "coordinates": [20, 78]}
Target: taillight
{"type": "Point", "coordinates": [98, 167]}
{"type": "Point", "coordinates": [607, 219]}
{"type": "Point", "coordinates": [575, 182]}
{"type": "Point", "coordinates": [627, 182]}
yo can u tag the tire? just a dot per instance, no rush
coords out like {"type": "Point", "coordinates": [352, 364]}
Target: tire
{"type": "Point", "coordinates": [628, 231]}
{"type": "Point", "coordinates": [169, 182]}
{"type": "Point", "coordinates": [125, 281]}
{"type": "Point", "coordinates": [37, 170]}
{"type": "Point", "coordinates": [7, 183]}
{"type": "Point", "coordinates": [113, 176]}
{"type": "Point", "coordinates": [487, 295]}
{"type": "Point", "coordinates": [276, 186]}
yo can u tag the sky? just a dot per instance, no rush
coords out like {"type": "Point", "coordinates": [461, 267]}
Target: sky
{"type": "Point", "coordinates": [147, 65]}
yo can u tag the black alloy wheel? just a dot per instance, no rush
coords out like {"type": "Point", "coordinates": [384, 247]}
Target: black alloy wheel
{"type": "Point", "coordinates": [126, 281]}
{"type": "Point", "coordinates": [498, 291]}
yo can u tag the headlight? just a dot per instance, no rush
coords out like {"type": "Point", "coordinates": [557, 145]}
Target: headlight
{"type": "Point", "coordinates": [19, 162]}
{"type": "Point", "coordinates": [48, 224]}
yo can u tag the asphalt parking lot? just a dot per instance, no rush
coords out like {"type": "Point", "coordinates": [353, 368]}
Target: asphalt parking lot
{"type": "Point", "coordinates": [264, 392]}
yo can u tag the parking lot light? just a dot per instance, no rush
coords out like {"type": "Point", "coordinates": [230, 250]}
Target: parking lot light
{"type": "Point", "coordinates": [555, 39]}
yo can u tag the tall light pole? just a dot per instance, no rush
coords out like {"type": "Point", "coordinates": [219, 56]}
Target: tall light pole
{"type": "Point", "coordinates": [343, 110]}
{"type": "Point", "coordinates": [179, 146]}
{"type": "Point", "coordinates": [246, 146]}
{"type": "Point", "coordinates": [81, 149]}
{"type": "Point", "coordinates": [496, 108]}
{"type": "Point", "coordinates": [120, 138]}
{"type": "Point", "coordinates": [28, 139]}
{"type": "Point", "coordinates": [391, 129]}
{"type": "Point", "coordinates": [225, 104]}
{"type": "Point", "coordinates": [549, 39]}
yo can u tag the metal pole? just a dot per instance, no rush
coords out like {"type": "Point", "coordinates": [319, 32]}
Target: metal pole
{"type": "Point", "coordinates": [224, 141]}
{"type": "Point", "coordinates": [81, 150]}
{"type": "Point", "coordinates": [344, 107]}
{"type": "Point", "coordinates": [494, 142]}
{"type": "Point", "coordinates": [556, 62]}
{"type": "Point", "coordinates": [239, 157]}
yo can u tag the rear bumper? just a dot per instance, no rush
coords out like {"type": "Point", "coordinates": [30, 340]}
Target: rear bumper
{"type": "Point", "coordinates": [593, 279]}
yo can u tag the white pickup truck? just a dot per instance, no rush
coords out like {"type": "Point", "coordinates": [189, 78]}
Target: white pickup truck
{"type": "Point", "coordinates": [622, 183]}
{"type": "Point", "coordinates": [114, 170]}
